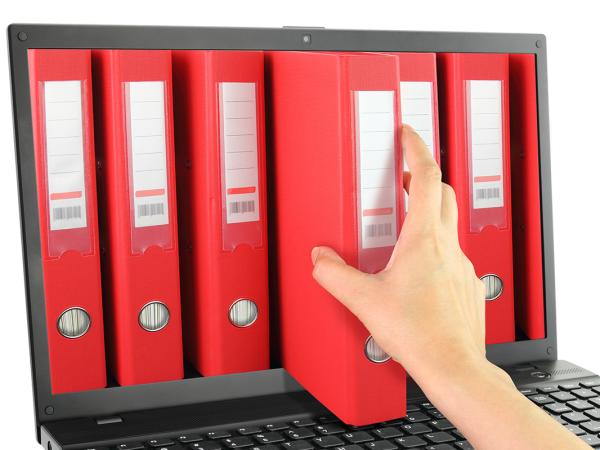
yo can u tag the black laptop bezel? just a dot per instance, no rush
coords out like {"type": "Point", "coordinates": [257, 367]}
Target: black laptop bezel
{"type": "Point", "coordinates": [22, 37]}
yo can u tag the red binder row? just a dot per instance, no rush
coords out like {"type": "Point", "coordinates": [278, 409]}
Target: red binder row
{"type": "Point", "coordinates": [223, 227]}
{"type": "Point", "coordinates": [180, 139]}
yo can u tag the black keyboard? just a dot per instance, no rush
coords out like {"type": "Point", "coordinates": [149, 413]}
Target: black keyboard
{"type": "Point", "coordinates": [575, 405]}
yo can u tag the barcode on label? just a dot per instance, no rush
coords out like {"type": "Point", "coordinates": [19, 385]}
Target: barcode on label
{"type": "Point", "coordinates": [487, 193]}
{"type": "Point", "coordinates": [66, 213]}
{"type": "Point", "coordinates": [242, 207]}
{"type": "Point", "coordinates": [151, 209]}
{"type": "Point", "coordinates": [375, 230]}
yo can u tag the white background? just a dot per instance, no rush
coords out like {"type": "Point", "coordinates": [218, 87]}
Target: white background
{"type": "Point", "coordinates": [573, 64]}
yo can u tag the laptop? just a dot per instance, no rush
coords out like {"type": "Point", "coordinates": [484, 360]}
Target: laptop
{"type": "Point", "coordinates": [268, 409]}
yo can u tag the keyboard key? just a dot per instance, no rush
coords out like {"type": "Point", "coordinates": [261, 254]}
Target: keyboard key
{"type": "Point", "coordinates": [332, 428]}
{"type": "Point", "coordinates": [557, 408]}
{"type": "Point", "coordinates": [590, 384]}
{"type": "Point", "coordinates": [245, 431]}
{"type": "Point", "coordinates": [590, 440]}
{"type": "Point", "coordinates": [415, 417]}
{"type": "Point", "coordinates": [592, 427]}
{"type": "Point", "coordinates": [218, 434]}
{"type": "Point", "coordinates": [131, 446]}
{"type": "Point", "coordinates": [238, 442]}
{"type": "Point", "coordinates": [575, 430]}
{"type": "Point", "coordinates": [541, 399]}
{"type": "Point", "coordinates": [307, 422]}
{"type": "Point", "coordinates": [568, 386]}
{"type": "Point", "coordinates": [278, 426]}
{"type": "Point", "coordinates": [300, 433]}
{"type": "Point", "coordinates": [359, 427]}
{"type": "Point", "coordinates": [439, 437]}
{"type": "Point", "coordinates": [189, 438]}
{"type": "Point", "coordinates": [395, 422]}
{"type": "Point", "coordinates": [359, 437]}
{"type": "Point", "coordinates": [96, 448]}
{"type": "Point", "coordinates": [327, 419]}
{"type": "Point", "coordinates": [547, 389]}
{"type": "Point", "coordinates": [579, 405]}
{"type": "Point", "coordinates": [442, 425]}
{"type": "Point", "coordinates": [575, 417]}
{"type": "Point", "coordinates": [427, 405]}
{"type": "Point", "coordinates": [387, 432]}
{"type": "Point", "coordinates": [593, 414]}
{"type": "Point", "coordinates": [527, 391]}
{"type": "Point", "coordinates": [559, 419]}
{"type": "Point", "coordinates": [269, 438]}
{"type": "Point", "coordinates": [298, 445]}
{"type": "Point", "coordinates": [436, 414]}
{"type": "Point", "coordinates": [595, 401]}
{"type": "Point", "coordinates": [459, 435]}
{"type": "Point", "coordinates": [381, 445]}
{"type": "Point", "coordinates": [265, 447]}
{"type": "Point", "coordinates": [562, 396]}
{"type": "Point", "coordinates": [416, 428]}
{"type": "Point", "coordinates": [160, 443]}
{"type": "Point", "coordinates": [206, 445]}
{"type": "Point", "coordinates": [329, 441]}
{"type": "Point", "coordinates": [440, 447]}
{"type": "Point", "coordinates": [411, 408]}
{"type": "Point", "coordinates": [464, 445]}
{"type": "Point", "coordinates": [349, 447]}
{"type": "Point", "coordinates": [584, 394]}
{"type": "Point", "coordinates": [410, 442]}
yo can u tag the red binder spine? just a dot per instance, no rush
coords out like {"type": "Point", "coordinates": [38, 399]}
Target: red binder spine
{"type": "Point", "coordinates": [222, 167]}
{"type": "Point", "coordinates": [61, 104]}
{"type": "Point", "coordinates": [419, 99]}
{"type": "Point", "coordinates": [476, 89]}
{"type": "Point", "coordinates": [527, 237]}
{"type": "Point", "coordinates": [335, 139]}
{"type": "Point", "coordinates": [135, 120]}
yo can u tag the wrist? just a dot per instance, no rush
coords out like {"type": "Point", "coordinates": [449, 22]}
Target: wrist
{"type": "Point", "coordinates": [456, 371]}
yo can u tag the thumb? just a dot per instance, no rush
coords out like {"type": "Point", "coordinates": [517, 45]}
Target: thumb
{"type": "Point", "coordinates": [344, 282]}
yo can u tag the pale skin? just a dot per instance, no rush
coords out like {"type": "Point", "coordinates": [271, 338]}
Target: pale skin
{"type": "Point", "coordinates": [426, 309]}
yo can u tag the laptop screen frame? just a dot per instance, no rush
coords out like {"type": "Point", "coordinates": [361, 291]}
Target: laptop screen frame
{"type": "Point", "coordinates": [22, 37]}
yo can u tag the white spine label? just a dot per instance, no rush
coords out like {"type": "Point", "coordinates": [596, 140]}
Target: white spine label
{"type": "Point", "coordinates": [376, 155]}
{"type": "Point", "coordinates": [485, 135]}
{"type": "Point", "coordinates": [147, 137]}
{"type": "Point", "coordinates": [416, 106]}
{"type": "Point", "coordinates": [239, 151]}
{"type": "Point", "coordinates": [63, 114]}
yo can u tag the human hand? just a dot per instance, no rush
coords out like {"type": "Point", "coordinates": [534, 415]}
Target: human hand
{"type": "Point", "coordinates": [426, 309]}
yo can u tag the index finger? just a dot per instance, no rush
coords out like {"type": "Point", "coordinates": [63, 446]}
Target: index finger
{"type": "Point", "coordinates": [425, 188]}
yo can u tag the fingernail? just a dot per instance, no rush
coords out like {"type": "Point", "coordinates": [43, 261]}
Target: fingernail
{"type": "Point", "coordinates": [314, 254]}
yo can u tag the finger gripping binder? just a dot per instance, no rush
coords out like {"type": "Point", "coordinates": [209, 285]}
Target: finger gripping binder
{"type": "Point", "coordinates": [61, 104]}
{"type": "Point", "coordinates": [221, 163]}
{"type": "Point", "coordinates": [477, 165]}
{"type": "Point", "coordinates": [338, 182]}
{"type": "Point", "coordinates": [134, 121]}
{"type": "Point", "coordinates": [419, 100]}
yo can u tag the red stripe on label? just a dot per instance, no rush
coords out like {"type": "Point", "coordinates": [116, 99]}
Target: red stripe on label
{"type": "Point", "coordinates": [242, 190]}
{"type": "Point", "coordinates": [487, 178]}
{"type": "Point", "coordinates": [150, 193]}
{"type": "Point", "coordinates": [378, 212]}
{"type": "Point", "coordinates": [65, 195]}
